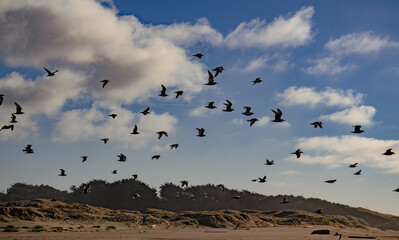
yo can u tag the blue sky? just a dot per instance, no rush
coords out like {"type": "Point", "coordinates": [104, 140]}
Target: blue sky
{"type": "Point", "coordinates": [331, 61]}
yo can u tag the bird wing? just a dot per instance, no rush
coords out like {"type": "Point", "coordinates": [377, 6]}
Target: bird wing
{"type": "Point", "coordinates": [18, 107]}
{"type": "Point", "coordinates": [48, 71]}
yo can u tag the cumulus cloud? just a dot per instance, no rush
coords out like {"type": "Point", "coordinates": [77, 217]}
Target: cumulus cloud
{"type": "Point", "coordinates": [344, 150]}
{"type": "Point", "coordinates": [330, 65]}
{"type": "Point", "coordinates": [355, 115]}
{"type": "Point", "coordinates": [274, 62]}
{"type": "Point", "coordinates": [262, 121]}
{"type": "Point", "coordinates": [290, 31]}
{"type": "Point", "coordinates": [238, 121]}
{"type": "Point", "coordinates": [309, 97]}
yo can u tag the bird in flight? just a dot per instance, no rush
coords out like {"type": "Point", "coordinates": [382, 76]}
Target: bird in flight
{"type": "Point", "coordinates": [198, 55]}
{"type": "Point", "coordinates": [218, 70]}
{"type": "Point", "coordinates": [155, 157]}
{"type": "Point", "coordinates": [357, 129]}
{"type": "Point", "coordinates": [388, 152]}
{"type": "Point", "coordinates": [114, 171]}
{"type": "Point", "coordinates": [178, 93]}
{"type": "Point", "coordinates": [358, 172]}
{"type": "Point", "coordinates": [220, 186]}
{"type": "Point", "coordinates": [105, 140]}
{"type": "Point", "coordinates": [228, 106]}
{"type": "Point", "coordinates": [210, 105]}
{"type": "Point", "coordinates": [134, 176]}
{"type": "Point", "coordinates": [269, 162]}
{"type": "Point", "coordinates": [257, 80]}
{"type": "Point", "coordinates": [84, 158]}
{"type": "Point", "coordinates": [163, 91]}
{"type": "Point", "coordinates": [184, 183]}
{"type": "Point", "coordinates": [86, 188]}
{"type": "Point", "coordinates": [13, 118]}
{"type": "Point", "coordinates": [201, 132]}
{"type": "Point", "coordinates": [134, 132]}
{"type": "Point", "coordinates": [317, 124]}
{"type": "Point", "coordinates": [50, 73]}
{"type": "Point", "coordinates": [331, 181]}
{"type": "Point", "coordinates": [135, 196]}
{"type": "Point", "coordinates": [105, 82]}
{"type": "Point", "coordinates": [353, 165]}
{"type": "Point", "coordinates": [285, 200]}
{"type": "Point", "coordinates": [146, 111]}
{"type": "Point", "coordinates": [175, 145]}
{"type": "Point", "coordinates": [277, 116]}
{"type": "Point", "coordinates": [28, 149]}
{"type": "Point", "coordinates": [11, 126]}
{"type": "Point", "coordinates": [62, 173]}
{"type": "Point", "coordinates": [262, 180]}
{"type": "Point", "coordinates": [122, 157]}
{"type": "Point", "coordinates": [1, 98]}
{"type": "Point", "coordinates": [252, 121]}
{"type": "Point", "coordinates": [113, 115]}
{"type": "Point", "coordinates": [297, 153]}
{"type": "Point", "coordinates": [211, 81]}
{"type": "Point", "coordinates": [235, 197]}
{"type": "Point", "coordinates": [247, 111]}
{"type": "Point", "coordinates": [18, 109]}
{"type": "Point", "coordinates": [161, 133]}
{"type": "Point", "coordinates": [396, 190]}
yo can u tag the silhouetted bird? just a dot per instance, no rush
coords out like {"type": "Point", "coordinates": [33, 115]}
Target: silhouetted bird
{"type": "Point", "coordinates": [134, 176]}
{"type": "Point", "coordinates": [254, 180]}
{"type": "Point", "coordinates": [18, 110]}
{"type": "Point", "coordinates": [155, 157]}
{"type": "Point", "coordinates": [50, 73]}
{"type": "Point", "coordinates": [113, 115]}
{"type": "Point", "coordinates": [163, 91]}
{"type": "Point", "coordinates": [201, 132]}
{"type": "Point", "coordinates": [247, 111]}
{"type": "Point", "coordinates": [319, 211]}
{"type": "Point", "coordinates": [235, 197]}
{"type": "Point", "coordinates": [114, 171]}
{"type": "Point", "coordinates": [396, 190]}
{"type": "Point", "coordinates": [353, 165]}
{"type": "Point", "coordinates": [28, 149]}
{"type": "Point", "coordinates": [358, 172]}
{"type": "Point", "coordinates": [210, 105]}
{"type": "Point", "coordinates": [84, 158]}
{"type": "Point", "coordinates": [178, 93]}
{"type": "Point", "coordinates": [357, 129]}
{"type": "Point", "coordinates": [331, 181]}
{"type": "Point", "coordinates": [122, 157]}
{"type": "Point", "coordinates": [175, 145]}
{"type": "Point", "coordinates": [257, 80]}
{"type": "Point", "coordinates": [1, 98]}
{"type": "Point", "coordinates": [338, 234]}
{"type": "Point", "coordinates": [161, 133]}
{"type": "Point", "coordinates": [277, 116]}
{"type": "Point", "coordinates": [388, 152]}
{"type": "Point", "coordinates": [11, 126]}
{"type": "Point", "coordinates": [184, 183]}
{"type": "Point", "coordinates": [285, 200]}
{"type": "Point", "coordinates": [297, 153]}
{"type": "Point", "coordinates": [134, 132]}
{"type": "Point", "coordinates": [135, 196]}
{"type": "Point", "coordinates": [13, 118]}
{"type": "Point", "coordinates": [198, 55]}
{"type": "Point", "coordinates": [220, 186]}
{"type": "Point", "coordinates": [105, 140]}
{"type": "Point", "coordinates": [105, 82]}
{"type": "Point", "coordinates": [86, 188]}
{"type": "Point", "coordinates": [317, 124]}
{"type": "Point", "coordinates": [228, 106]}
{"type": "Point", "coordinates": [62, 173]}
{"type": "Point", "coordinates": [252, 121]}
{"type": "Point", "coordinates": [211, 81]}
{"type": "Point", "coordinates": [262, 180]}
{"type": "Point", "coordinates": [218, 70]}
{"type": "Point", "coordinates": [146, 111]}
{"type": "Point", "coordinates": [269, 162]}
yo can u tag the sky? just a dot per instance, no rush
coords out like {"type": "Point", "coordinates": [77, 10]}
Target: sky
{"type": "Point", "coordinates": [330, 61]}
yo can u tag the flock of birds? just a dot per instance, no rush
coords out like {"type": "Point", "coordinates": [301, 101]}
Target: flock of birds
{"type": "Point", "coordinates": [201, 131]}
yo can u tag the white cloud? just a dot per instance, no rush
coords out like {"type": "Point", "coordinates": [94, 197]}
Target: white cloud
{"type": "Point", "coordinates": [362, 115]}
{"type": "Point", "coordinates": [308, 96]}
{"type": "Point", "coordinates": [291, 31]}
{"type": "Point", "coordinates": [275, 62]}
{"type": "Point", "coordinates": [330, 65]}
{"type": "Point", "coordinates": [344, 150]}
{"type": "Point", "coordinates": [238, 121]}
{"type": "Point", "coordinates": [290, 172]}
{"type": "Point", "coordinates": [262, 121]}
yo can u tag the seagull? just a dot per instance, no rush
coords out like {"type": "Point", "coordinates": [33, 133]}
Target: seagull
{"type": "Point", "coordinates": [175, 145]}
{"type": "Point", "coordinates": [262, 180]}
{"type": "Point", "coordinates": [218, 70]}
{"type": "Point", "coordinates": [396, 190]}
{"type": "Point", "coordinates": [1, 98]}
{"type": "Point", "coordinates": [105, 140]}
{"type": "Point", "coordinates": [297, 153]}
{"type": "Point", "coordinates": [220, 186]}
{"type": "Point", "coordinates": [358, 172]}
{"type": "Point", "coordinates": [84, 158]}
{"type": "Point", "coordinates": [254, 180]}
{"type": "Point", "coordinates": [257, 80]}
{"type": "Point", "coordinates": [252, 121]}
{"type": "Point", "coordinates": [155, 157]}
{"type": "Point", "coordinates": [285, 200]}
{"type": "Point", "coordinates": [317, 124]}
{"type": "Point", "coordinates": [163, 91]}
{"type": "Point", "coordinates": [201, 132]}
{"type": "Point", "coordinates": [228, 106]}
{"type": "Point", "coordinates": [210, 79]}
{"type": "Point", "coordinates": [146, 111]}
{"type": "Point", "coordinates": [18, 110]}
{"type": "Point", "coordinates": [331, 181]}
{"type": "Point", "coordinates": [113, 115]}
{"type": "Point", "coordinates": [269, 162]}
{"type": "Point", "coordinates": [135, 196]}
{"type": "Point", "coordinates": [13, 118]}
{"type": "Point", "coordinates": [28, 149]}
{"type": "Point", "coordinates": [357, 129]}
{"type": "Point", "coordinates": [49, 73]}
{"type": "Point", "coordinates": [86, 188]}
{"type": "Point", "coordinates": [62, 173]}
{"type": "Point", "coordinates": [277, 116]}
{"type": "Point", "coordinates": [235, 197]}
{"type": "Point", "coordinates": [160, 133]}
{"type": "Point", "coordinates": [184, 183]}
{"type": "Point", "coordinates": [338, 234]}
{"type": "Point", "coordinates": [122, 157]}
{"type": "Point", "coordinates": [114, 171]}
{"type": "Point", "coordinates": [134, 132]}
{"type": "Point", "coordinates": [134, 176]}
{"type": "Point", "coordinates": [353, 165]}
{"type": "Point", "coordinates": [198, 55]}
{"type": "Point", "coordinates": [388, 152]}
{"type": "Point", "coordinates": [178, 93]}
{"type": "Point", "coordinates": [105, 82]}
{"type": "Point", "coordinates": [11, 126]}
{"type": "Point", "coordinates": [210, 105]}
{"type": "Point", "coordinates": [247, 111]}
